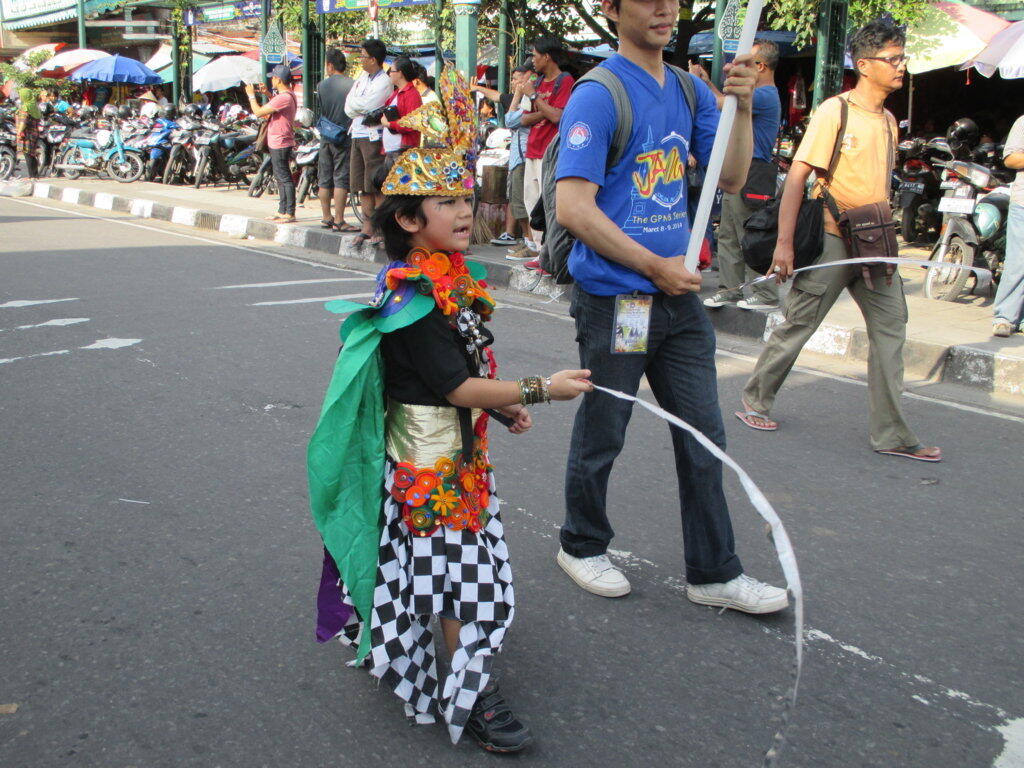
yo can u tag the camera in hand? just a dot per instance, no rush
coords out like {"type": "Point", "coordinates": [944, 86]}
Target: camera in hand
{"type": "Point", "coordinates": [373, 117]}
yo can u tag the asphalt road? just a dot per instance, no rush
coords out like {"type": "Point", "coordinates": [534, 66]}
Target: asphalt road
{"type": "Point", "coordinates": [159, 562]}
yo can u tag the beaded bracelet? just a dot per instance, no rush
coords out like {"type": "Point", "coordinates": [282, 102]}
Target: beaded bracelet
{"type": "Point", "coordinates": [532, 390]}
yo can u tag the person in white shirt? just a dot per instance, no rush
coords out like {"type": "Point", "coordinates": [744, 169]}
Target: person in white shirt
{"type": "Point", "coordinates": [370, 92]}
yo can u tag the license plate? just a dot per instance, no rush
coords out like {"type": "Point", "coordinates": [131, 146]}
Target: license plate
{"type": "Point", "coordinates": [949, 185]}
{"type": "Point", "coordinates": [962, 205]}
{"type": "Point", "coordinates": [912, 186]}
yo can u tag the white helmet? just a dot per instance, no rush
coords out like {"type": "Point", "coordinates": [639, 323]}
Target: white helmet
{"type": "Point", "coordinates": [304, 117]}
{"type": "Point", "coordinates": [109, 111]}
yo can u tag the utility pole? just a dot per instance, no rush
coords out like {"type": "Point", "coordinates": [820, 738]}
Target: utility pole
{"type": "Point", "coordinates": [465, 37]}
{"type": "Point", "coordinates": [81, 23]}
{"type": "Point", "coordinates": [831, 50]}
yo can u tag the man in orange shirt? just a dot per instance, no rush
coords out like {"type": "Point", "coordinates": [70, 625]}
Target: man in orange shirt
{"type": "Point", "coordinates": [861, 177]}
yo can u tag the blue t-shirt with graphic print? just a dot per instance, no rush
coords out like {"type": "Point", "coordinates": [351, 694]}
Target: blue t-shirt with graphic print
{"type": "Point", "coordinates": [645, 193]}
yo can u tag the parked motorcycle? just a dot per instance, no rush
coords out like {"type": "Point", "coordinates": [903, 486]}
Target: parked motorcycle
{"type": "Point", "coordinates": [181, 158]}
{"type": "Point", "coordinates": [8, 156]}
{"type": "Point", "coordinates": [158, 142]}
{"type": "Point", "coordinates": [306, 156]}
{"type": "Point", "coordinates": [976, 205]}
{"type": "Point", "coordinates": [103, 149]}
{"type": "Point", "coordinates": [919, 193]}
{"type": "Point", "coordinates": [223, 153]}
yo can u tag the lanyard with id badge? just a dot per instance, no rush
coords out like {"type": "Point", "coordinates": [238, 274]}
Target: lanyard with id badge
{"type": "Point", "coordinates": [631, 328]}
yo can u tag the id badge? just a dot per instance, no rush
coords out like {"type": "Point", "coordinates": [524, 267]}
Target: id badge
{"type": "Point", "coordinates": [632, 325]}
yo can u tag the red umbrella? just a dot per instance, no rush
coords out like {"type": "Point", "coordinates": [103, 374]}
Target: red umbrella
{"type": "Point", "coordinates": [66, 62]}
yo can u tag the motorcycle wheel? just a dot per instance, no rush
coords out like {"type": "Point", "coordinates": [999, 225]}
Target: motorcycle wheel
{"type": "Point", "coordinates": [69, 155]}
{"type": "Point", "coordinates": [151, 168]}
{"type": "Point", "coordinates": [130, 170]}
{"type": "Point", "coordinates": [356, 204]}
{"type": "Point", "coordinates": [172, 171]}
{"type": "Point", "coordinates": [302, 190]}
{"type": "Point", "coordinates": [204, 163]}
{"type": "Point", "coordinates": [945, 284]}
{"type": "Point", "coordinates": [908, 224]}
{"type": "Point", "coordinates": [258, 183]}
{"type": "Point", "coordinates": [7, 162]}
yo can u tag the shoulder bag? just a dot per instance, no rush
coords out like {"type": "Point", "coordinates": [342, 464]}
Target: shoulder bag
{"type": "Point", "coordinates": [762, 227]}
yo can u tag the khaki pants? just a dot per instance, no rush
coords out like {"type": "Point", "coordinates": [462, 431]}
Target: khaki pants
{"type": "Point", "coordinates": [532, 175]}
{"type": "Point", "coordinates": [885, 313]}
{"type": "Point", "coordinates": [732, 271]}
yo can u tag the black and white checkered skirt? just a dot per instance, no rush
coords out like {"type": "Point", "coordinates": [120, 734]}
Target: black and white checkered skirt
{"type": "Point", "coordinates": [456, 574]}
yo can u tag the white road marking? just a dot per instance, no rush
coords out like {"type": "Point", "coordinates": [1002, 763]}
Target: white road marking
{"type": "Point", "coordinates": [30, 302]}
{"type": "Point", "coordinates": [295, 282]}
{"type": "Point", "coordinates": [1012, 755]}
{"type": "Point", "coordinates": [311, 300]}
{"type": "Point", "coordinates": [133, 501]}
{"type": "Point", "coordinates": [98, 344]}
{"type": "Point", "coordinates": [110, 343]}
{"type": "Point", "coordinates": [58, 321]}
{"type": "Point", "coordinates": [37, 354]}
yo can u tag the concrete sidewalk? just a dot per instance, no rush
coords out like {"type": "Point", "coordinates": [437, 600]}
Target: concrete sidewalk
{"type": "Point", "coordinates": [947, 342]}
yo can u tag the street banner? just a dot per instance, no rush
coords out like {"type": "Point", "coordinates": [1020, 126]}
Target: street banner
{"type": "Point", "coordinates": [218, 14]}
{"type": "Point", "coordinates": [339, 6]}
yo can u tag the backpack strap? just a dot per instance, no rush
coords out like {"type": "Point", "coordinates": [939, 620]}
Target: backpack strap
{"type": "Point", "coordinates": [623, 110]}
{"type": "Point", "coordinates": [844, 117]}
{"type": "Point", "coordinates": [689, 89]}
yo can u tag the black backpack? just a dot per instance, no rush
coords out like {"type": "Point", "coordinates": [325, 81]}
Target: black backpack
{"type": "Point", "coordinates": [558, 241]}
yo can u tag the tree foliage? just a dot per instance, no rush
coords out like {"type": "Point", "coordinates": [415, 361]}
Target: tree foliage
{"type": "Point", "coordinates": [801, 16]}
{"type": "Point", "coordinates": [24, 76]}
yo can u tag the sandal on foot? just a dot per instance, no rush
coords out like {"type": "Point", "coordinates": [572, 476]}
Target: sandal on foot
{"type": "Point", "coordinates": [917, 452]}
{"type": "Point", "coordinates": [747, 417]}
{"type": "Point", "coordinates": [493, 724]}
{"type": "Point", "coordinates": [328, 224]}
{"type": "Point", "coordinates": [346, 228]}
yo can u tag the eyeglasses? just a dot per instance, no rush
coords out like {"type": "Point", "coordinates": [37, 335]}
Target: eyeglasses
{"type": "Point", "coordinates": [893, 61]}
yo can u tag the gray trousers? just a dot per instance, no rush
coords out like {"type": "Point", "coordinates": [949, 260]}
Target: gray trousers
{"type": "Point", "coordinates": [732, 272]}
{"type": "Point", "coordinates": [884, 308]}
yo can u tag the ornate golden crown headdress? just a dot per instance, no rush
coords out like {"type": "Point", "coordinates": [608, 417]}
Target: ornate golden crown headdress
{"type": "Point", "coordinates": [441, 166]}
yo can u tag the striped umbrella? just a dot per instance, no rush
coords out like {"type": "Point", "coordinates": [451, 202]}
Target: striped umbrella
{"type": "Point", "coordinates": [1005, 53]}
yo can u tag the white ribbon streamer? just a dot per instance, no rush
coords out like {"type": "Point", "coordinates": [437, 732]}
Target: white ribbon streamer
{"type": "Point", "coordinates": [984, 275]}
{"type": "Point", "coordinates": [779, 537]}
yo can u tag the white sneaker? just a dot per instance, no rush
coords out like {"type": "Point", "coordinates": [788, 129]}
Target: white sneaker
{"type": "Point", "coordinates": [757, 304]}
{"type": "Point", "coordinates": [594, 574]}
{"type": "Point", "coordinates": [741, 594]}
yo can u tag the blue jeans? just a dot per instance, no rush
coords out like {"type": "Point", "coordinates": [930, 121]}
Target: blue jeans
{"type": "Point", "coordinates": [279, 161]}
{"type": "Point", "coordinates": [680, 366]}
{"type": "Point", "coordinates": [1009, 304]}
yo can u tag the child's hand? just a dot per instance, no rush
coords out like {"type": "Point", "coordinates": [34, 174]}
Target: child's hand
{"type": "Point", "coordinates": [521, 417]}
{"type": "Point", "coordinates": [566, 385]}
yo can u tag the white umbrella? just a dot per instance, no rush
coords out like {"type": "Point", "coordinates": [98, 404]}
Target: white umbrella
{"type": "Point", "coordinates": [1005, 53]}
{"type": "Point", "coordinates": [227, 72]}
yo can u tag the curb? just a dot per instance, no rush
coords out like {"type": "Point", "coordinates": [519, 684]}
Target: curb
{"type": "Point", "coordinates": [966, 365]}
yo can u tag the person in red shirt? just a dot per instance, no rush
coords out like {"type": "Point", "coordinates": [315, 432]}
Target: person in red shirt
{"type": "Point", "coordinates": [406, 98]}
{"type": "Point", "coordinates": [550, 93]}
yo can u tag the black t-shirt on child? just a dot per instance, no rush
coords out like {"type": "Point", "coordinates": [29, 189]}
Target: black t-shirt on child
{"type": "Point", "coordinates": [426, 360]}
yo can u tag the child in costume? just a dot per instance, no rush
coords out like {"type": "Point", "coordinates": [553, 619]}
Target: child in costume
{"type": "Point", "coordinates": [401, 486]}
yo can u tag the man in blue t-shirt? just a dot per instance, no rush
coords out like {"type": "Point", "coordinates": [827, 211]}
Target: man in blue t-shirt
{"type": "Point", "coordinates": [636, 307]}
{"type": "Point", "coordinates": [767, 117]}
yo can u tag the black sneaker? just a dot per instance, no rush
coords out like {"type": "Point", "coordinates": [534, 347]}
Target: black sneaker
{"type": "Point", "coordinates": [493, 724]}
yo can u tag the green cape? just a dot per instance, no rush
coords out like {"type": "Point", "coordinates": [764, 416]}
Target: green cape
{"type": "Point", "coordinates": [345, 457]}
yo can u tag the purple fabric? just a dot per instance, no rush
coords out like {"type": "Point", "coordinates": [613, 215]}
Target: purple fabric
{"type": "Point", "coordinates": [331, 613]}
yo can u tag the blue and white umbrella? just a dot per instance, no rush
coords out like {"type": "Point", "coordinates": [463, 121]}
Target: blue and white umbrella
{"type": "Point", "coordinates": [117, 69]}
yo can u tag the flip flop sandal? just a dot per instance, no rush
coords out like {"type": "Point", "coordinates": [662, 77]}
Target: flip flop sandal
{"type": "Point", "coordinates": [911, 452]}
{"type": "Point", "coordinates": [347, 228]}
{"type": "Point", "coordinates": [328, 224]}
{"type": "Point", "coordinates": [745, 417]}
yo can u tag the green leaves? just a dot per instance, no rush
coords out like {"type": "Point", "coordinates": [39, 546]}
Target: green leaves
{"type": "Point", "coordinates": [801, 16]}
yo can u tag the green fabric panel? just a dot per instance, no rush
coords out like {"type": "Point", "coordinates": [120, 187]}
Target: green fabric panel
{"type": "Point", "coordinates": [476, 270]}
{"type": "Point", "coordinates": [345, 464]}
{"type": "Point", "coordinates": [417, 307]}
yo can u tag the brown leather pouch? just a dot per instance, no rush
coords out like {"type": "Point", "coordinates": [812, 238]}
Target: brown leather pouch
{"type": "Point", "coordinates": [870, 232]}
